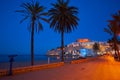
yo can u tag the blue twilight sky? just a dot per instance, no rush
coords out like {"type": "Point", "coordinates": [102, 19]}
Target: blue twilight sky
{"type": "Point", "coordinates": [15, 38]}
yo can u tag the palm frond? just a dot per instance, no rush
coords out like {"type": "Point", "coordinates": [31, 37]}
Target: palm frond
{"type": "Point", "coordinates": [26, 17]}
{"type": "Point", "coordinates": [28, 7]}
{"type": "Point", "coordinates": [40, 26]}
{"type": "Point", "coordinates": [63, 17]}
{"type": "Point", "coordinates": [108, 31]}
{"type": "Point", "coordinates": [46, 20]}
{"type": "Point", "coordinates": [43, 14]}
{"type": "Point", "coordinates": [33, 11]}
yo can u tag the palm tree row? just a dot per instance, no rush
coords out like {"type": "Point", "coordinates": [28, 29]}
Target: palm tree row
{"type": "Point", "coordinates": [62, 18]}
{"type": "Point", "coordinates": [114, 30]}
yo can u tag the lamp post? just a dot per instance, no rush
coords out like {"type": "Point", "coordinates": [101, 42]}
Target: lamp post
{"type": "Point", "coordinates": [11, 60]}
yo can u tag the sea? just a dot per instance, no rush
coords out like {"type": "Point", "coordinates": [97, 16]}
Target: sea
{"type": "Point", "coordinates": [23, 58]}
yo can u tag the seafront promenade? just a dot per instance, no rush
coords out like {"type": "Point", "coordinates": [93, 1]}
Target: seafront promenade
{"type": "Point", "coordinates": [101, 68]}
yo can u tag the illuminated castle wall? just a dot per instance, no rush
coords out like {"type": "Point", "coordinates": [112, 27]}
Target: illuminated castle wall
{"type": "Point", "coordinates": [83, 40]}
{"type": "Point", "coordinates": [86, 43]}
{"type": "Point", "coordinates": [81, 44]}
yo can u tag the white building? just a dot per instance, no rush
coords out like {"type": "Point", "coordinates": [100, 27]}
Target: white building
{"type": "Point", "coordinates": [82, 44]}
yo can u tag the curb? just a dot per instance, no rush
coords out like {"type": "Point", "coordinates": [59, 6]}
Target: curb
{"type": "Point", "coordinates": [31, 68]}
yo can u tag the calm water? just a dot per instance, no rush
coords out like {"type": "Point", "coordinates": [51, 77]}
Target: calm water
{"type": "Point", "coordinates": [21, 58]}
{"type": "Point", "coordinates": [25, 60]}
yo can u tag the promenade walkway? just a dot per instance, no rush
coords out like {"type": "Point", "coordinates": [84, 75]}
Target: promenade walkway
{"type": "Point", "coordinates": [103, 68]}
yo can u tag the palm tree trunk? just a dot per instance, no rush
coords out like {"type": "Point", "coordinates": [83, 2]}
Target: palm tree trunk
{"type": "Point", "coordinates": [32, 44]}
{"type": "Point", "coordinates": [62, 45]}
{"type": "Point", "coordinates": [116, 47]}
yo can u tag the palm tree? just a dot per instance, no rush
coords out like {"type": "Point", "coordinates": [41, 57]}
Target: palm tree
{"type": "Point", "coordinates": [111, 43]}
{"type": "Point", "coordinates": [114, 30]}
{"type": "Point", "coordinates": [34, 12]}
{"type": "Point", "coordinates": [116, 18]}
{"type": "Point", "coordinates": [96, 47]}
{"type": "Point", "coordinates": [63, 19]}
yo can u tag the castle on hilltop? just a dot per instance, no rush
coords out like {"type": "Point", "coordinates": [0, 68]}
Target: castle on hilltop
{"type": "Point", "coordinates": [82, 47]}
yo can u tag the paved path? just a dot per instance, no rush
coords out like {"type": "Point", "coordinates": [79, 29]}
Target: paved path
{"type": "Point", "coordinates": [103, 68]}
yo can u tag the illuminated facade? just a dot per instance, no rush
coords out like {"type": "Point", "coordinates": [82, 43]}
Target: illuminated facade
{"type": "Point", "coordinates": [83, 46]}
{"type": "Point", "coordinates": [87, 44]}
{"type": "Point", "coordinates": [83, 40]}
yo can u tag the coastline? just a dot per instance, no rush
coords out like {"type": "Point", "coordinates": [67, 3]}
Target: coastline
{"type": "Point", "coordinates": [6, 65]}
